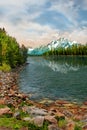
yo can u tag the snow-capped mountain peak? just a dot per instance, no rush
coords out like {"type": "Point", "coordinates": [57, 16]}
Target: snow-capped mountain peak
{"type": "Point", "coordinates": [55, 44]}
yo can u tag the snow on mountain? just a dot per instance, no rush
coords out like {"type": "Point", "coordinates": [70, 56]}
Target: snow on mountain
{"type": "Point", "coordinates": [55, 44]}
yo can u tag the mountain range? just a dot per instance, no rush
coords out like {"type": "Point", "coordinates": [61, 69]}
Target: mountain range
{"type": "Point", "coordinates": [55, 44]}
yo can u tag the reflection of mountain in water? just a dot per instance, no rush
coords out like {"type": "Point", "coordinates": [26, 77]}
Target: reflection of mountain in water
{"type": "Point", "coordinates": [63, 68]}
{"type": "Point", "coordinates": [64, 64]}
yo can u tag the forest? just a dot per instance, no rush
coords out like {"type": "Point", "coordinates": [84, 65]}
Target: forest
{"type": "Point", "coordinates": [73, 50]}
{"type": "Point", "coordinates": [11, 54]}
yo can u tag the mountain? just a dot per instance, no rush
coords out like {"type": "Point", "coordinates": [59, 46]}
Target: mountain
{"type": "Point", "coordinates": [55, 44]}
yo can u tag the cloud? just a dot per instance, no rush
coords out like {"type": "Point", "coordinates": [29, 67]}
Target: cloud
{"type": "Point", "coordinates": [66, 8]}
{"type": "Point", "coordinates": [38, 22]}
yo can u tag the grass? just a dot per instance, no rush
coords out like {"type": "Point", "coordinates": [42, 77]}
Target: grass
{"type": "Point", "coordinates": [2, 106]}
{"type": "Point", "coordinates": [61, 121]}
{"type": "Point", "coordinates": [17, 124]}
{"type": "Point", "coordinates": [77, 127]}
{"type": "Point", "coordinates": [12, 123]}
{"type": "Point", "coordinates": [5, 67]}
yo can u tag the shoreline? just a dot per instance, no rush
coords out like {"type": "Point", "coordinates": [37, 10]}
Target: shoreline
{"type": "Point", "coordinates": [12, 98]}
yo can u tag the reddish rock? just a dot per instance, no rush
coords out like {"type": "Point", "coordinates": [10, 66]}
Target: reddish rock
{"type": "Point", "coordinates": [61, 102]}
{"type": "Point", "coordinates": [2, 101]}
{"type": "Point", "coordinates": [59, 114]}
{"type": "Point", "coordinates": [84, 127]}
{"type": "Point", "coordinates": [5, 110]}
{"type": "Point", "coordinates": [4, 128]}
{"type": "Point", "coordinates": [24, 128]}
{"type": "Point", "coordinates": [85, 103]}
{"type": "Point", "coordinates": [53, 127]}
{"type": "Point", "coordinates": [0, 83]}
{"type": "Point", "coordinates": [12, 92]}
{"type": "Point", "coordinates": [70, 126]}
{"type": "Point", "coordinates": [51, 119]}
{"type": "Point", "coordinates": [78, 117]}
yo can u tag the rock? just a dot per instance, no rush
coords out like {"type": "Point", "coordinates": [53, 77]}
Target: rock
{"type": "Point", "coordinates": [51, 119]}
{"type": "Point", "coordinates": [38, 120]}
{"type": "Point", "coordinates": [61, 102]}
{"type": "Point", "coordinates": [5, 110]}
{"type": "Point", "coordinates": [84, 119]}
{"type": "Point", "coordinates": [77, 117]}
{"type": "Point", "coordinates": [4, 128]}
{"type": "Point", "coordinates": [53, 127]}
{"type": "Point", "coordinates": [37, 111]}
{"type": "Point", "coordinates": [12, 92]}
{"type": "Point", "coordinates": [28, 119]}
{"type": "Point", "coordinates": [24, 128]}
{"type": "Point", "coordinates": [85, 103]}
{"type": "Point", "coordinates": [67, 113]}
{"type": "Point", "coordinates": [84, 127]}
{"type": "Point", "coordinates": [34, 111]}
{"type": "Point", "coordinates": [70, 126]}
{"type": "Point", "coordinates": [17, 115]}
{"type": "Point", "coordinates": [68, 105]}
{"type": "Point", "coordinates": [0, 83]}
{"type": "Point", "coordinates": [2, 101]}
{"type": "Point", "coordinates": [22, 96]}
{"type": "Point", "coordinates": [46, 101]}
{"type": "Point", "coordinates": [59, 114]}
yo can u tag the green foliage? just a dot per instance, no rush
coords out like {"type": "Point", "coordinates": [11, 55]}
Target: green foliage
{"type": "Point", "coordinates": [5, 67]}
{"type": "Point", "coordinates": [34, 127]}
{"type": "Point", "coordinates": [12, 123]}
{"type": "Point", "coordinates": [61, 121]}
{"type": "Point", "coordinates": [17, 124]}
{"type": "Point", "coordinates": [77, 127]}
{"type": "Point", "coordinates": [11, 54]}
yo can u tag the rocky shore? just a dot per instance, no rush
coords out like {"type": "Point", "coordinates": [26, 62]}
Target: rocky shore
{"type": "Point", "coordinates": [57, 115]}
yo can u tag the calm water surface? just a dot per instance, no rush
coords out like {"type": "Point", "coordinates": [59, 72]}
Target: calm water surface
{"type": "Point", "coordinates": [55, 78]}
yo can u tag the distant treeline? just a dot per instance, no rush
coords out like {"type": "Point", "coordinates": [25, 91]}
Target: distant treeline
{"type": "Point", "coordinates": [74, 50]}
{"type": "Point", "coordinates": [11, 54]}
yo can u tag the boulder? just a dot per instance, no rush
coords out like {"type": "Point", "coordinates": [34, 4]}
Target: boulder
{"type": "Point", "coordinates": [53, 127]}
{"type": "Point", "coordinates": [37, 111]}
{"type": "Point", "coordinates": [85, 103]}
{"type": "Point", "coordinates": [5, 110]}
{"type": "Point", "coordinates": [24, 128]}
{"type": "Point", "coordinates": [38, 120]}
{"type": "Point", "coordinates": [84, 127]}
{"type": "Point", "coordinates": [51, 119]}
{"type": "Point", "coordinates": [34, 111]}
{"type": "Point", "coordinates": [2, 101]}
{"type": "Point", "coordinates": [77, 117]}
{"type": "Point", "coordinates": [67, 113]}
{"type": "Point", "coordinates": [28, 119]}
{"type": "Point", "coordinates": [70, 126]}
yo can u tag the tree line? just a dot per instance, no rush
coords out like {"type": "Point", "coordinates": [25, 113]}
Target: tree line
{"type": "Point", "coordinates": [11, 53]}
{"type": "Point", "coordinates": [74, 50]}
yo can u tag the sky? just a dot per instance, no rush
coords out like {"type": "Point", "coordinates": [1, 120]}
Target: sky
{"type": "Point", "coordinates": [38, 22]}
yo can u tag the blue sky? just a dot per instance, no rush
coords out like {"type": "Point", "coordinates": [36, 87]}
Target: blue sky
{"type": "Point", "coordinates": [37, 22]}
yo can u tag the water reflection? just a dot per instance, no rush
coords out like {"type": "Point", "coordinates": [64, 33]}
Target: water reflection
{"type": "Point", "coordinates": [62, 64]}
{"type": "Point", "coordinates": [55, 77]}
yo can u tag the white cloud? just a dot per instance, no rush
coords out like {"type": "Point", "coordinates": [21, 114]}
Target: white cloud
{"type": "Point", "coordinates": [79, 35]}
{"type": "Point", "coordinates": [68, 9]}
{"type": "Point", "coordinates": [18, 18]}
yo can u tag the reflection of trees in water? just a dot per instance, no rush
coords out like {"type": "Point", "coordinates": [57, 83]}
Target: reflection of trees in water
{"type": "Point", "coordinates": [71, 60]}
{"type": "Point", "coordinates": [64, 64]}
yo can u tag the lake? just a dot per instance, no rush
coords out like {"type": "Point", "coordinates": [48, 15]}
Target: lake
{"type": "Point", "coordinates": [63, 77]}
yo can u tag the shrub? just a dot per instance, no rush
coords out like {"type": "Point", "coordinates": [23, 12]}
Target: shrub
{"type": "Point", "coordinates": [5, 67]}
